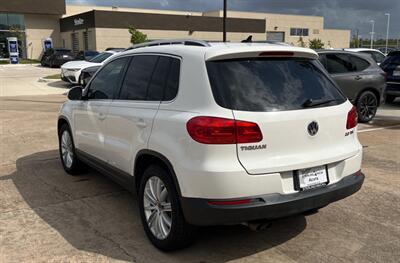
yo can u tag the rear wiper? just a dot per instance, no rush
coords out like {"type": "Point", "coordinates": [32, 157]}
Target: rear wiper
{"type": "Point", "coordinates": [312, 103]}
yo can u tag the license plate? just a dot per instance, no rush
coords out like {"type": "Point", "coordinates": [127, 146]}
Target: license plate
{"type": "Point", "coordinates": [311, 178]}
{"type": "Point", "coordinates": [65, 56]}
{"type": "Point", "coordinates": [396, 73]}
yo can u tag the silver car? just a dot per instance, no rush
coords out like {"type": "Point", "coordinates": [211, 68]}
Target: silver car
{"type": "Point", "coordinates": [359, 78]}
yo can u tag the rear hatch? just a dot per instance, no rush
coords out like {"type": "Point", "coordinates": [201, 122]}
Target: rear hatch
{"type": "Point", "coordinates": [287, 94]}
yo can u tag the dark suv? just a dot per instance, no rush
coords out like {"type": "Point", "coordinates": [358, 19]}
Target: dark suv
{"type": "Point", "coordinates": [391, 66]}
{"type": "Point", "coordinates": [55, 57]}
{"type": "Point", "coordinates": [359, 78]}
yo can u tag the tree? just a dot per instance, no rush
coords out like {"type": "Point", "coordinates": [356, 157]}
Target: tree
{"type": "Point", "coordinates": [137, 37]}
{"type": "Point", "coordinates": [316, 43]}
{"type": "Point", "coordinates": [301, 42]}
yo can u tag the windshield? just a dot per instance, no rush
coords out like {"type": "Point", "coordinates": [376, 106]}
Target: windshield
{"type": "Point", "coordinates": [270, 84]}
{"type": "Point", "coordinates": [100, 57]}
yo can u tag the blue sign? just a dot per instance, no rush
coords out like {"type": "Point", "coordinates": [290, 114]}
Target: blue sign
{"type": "Point", "coordinates": [14, 59]}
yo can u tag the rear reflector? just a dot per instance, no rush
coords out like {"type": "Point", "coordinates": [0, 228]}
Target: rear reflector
{"type": "Point", "coordinates": [232, 202]}
{"type": "Point", "coordinates": [277, 54]}
{"type": "Point", "coordinates": [352, 118]}
{"type": "Point", "coordinates": [213, 130]}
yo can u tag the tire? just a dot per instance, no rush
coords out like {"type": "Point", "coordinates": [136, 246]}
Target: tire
{"type": "Point", "coordinates": [169, 229]}
{"type": "Point", "coordinates": [51, 64]}
{"type": "Point", "coordinates": [70, 162]}
{"type": "Point", "coordinates": [367, 105]}
{"type": "Point", "coordinates": [390, 98]}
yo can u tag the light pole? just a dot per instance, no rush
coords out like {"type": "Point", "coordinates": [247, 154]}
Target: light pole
{"type": "Point", "coordinates": [372, 33]}
{"type": "Point", "coordinates": [387, 31]}
{"type": "Point", "coordinates": [224, 23]}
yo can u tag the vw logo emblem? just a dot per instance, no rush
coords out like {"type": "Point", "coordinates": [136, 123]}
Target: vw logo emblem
{"type": "Point", "coordinates": [312, 128]}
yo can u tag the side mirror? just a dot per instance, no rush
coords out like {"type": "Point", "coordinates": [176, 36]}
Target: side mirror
{"type": "Point", "coordinates": [75, 93]}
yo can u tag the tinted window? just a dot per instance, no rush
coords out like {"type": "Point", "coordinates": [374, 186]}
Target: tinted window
{"type": "Point", "coordinates": [152, 78]}
{"type": "Point", "coordinates": [359, 63]}
{"type": "Point", "coordinates": [158, 80]}
{"type": "Point", "coordinates": [338, 63]}
{"type": "Point", "coordinates": [107, 81]}
{"type": "Point", "coordinates": [269, 84]}
{"type": "Point", "coordinates": [100, 57]}
{"type": "Point", "coordinates": [138, 76]}
{"type": "Point", "coordinates": [171, 88]}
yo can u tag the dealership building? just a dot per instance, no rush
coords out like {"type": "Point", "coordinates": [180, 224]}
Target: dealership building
{"type": "Point", "coordinates": [80, 27]}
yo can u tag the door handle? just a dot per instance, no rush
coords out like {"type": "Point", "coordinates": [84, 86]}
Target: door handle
{"type": "Point", "coordinates": [102, 116]}
{"type": "Point", "coordinates": [358, 78]}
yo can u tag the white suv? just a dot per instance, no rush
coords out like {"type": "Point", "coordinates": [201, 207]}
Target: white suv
{"type": "Point", "coordinates": [211, 134]}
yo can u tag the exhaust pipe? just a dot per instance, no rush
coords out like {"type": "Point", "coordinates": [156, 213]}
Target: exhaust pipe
{"type": "Point", "coordinates": [257, 226]}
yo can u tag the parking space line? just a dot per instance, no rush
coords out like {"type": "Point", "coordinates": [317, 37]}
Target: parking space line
{"type": "Point", "coordinates": [377, 129]}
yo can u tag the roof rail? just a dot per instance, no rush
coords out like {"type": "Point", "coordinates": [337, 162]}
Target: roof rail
{"type": "Point", "coordinates": [186, 42]}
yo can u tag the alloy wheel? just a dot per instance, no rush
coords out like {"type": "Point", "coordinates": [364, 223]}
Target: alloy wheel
{"type": "Point", "coordinates": [157, 208]}
{"type": "Point", "coordinates": [67, 149]}
{"type": "Point", "coordinates": [368, 106]}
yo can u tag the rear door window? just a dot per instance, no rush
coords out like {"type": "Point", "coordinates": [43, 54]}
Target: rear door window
{"type": "Point", "coordinates": [339, 63]}
{"type": "Point", "coordinates": [138, 77]}
{"type": "Point", "coordinates": [359, 63]}
{"type": "Point", "coordinates": [151, 78]}
{"type": "Point", "coordinates": [268, 84]}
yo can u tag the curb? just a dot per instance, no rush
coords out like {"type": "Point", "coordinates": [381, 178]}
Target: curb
{"type": "Point", "coordinates": [42, 79]}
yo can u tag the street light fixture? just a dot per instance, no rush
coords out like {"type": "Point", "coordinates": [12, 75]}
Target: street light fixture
{"type": "Point", "coordinates": [372, 33]}
{"type": "Point", "coordinates": [387, 32]}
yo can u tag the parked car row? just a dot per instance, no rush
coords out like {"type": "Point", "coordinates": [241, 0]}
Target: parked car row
{"type": "Point", "coordinates": [355, 70]}
{"type": "Point", "coordinates": [71, 71]}
{"type": "Point", "coordinates": [55, 57]}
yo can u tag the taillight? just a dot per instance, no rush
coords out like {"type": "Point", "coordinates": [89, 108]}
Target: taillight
{"type": "Point", "coordinates": [213, 130]}
{"type": "Point", "coordinates": [352, 118]}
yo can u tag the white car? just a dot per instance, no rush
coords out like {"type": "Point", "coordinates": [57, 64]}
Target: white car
{"type": "Point", "coordinates": [71, 71]}
{"type": "Point", "coordinates": [211, 134]}
{"type": "Point", "coordinates": [376, 55]}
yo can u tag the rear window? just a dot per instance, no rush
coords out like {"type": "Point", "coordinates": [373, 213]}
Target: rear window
{"type": "Point", "coordinates": [270, 84]}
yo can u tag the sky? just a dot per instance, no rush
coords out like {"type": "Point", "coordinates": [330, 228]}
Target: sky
{"type": "Point", "coordinates": [338, 14]}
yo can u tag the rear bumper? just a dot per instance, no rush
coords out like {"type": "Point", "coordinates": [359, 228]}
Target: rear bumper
{"type": "Point", "coordinates": [199, 212]}
{"type": "Point", "coordinates": [393, 88]}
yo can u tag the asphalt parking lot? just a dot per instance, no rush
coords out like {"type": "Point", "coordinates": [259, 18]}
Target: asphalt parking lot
{"type": "Point", "coordinates": [49, 216]}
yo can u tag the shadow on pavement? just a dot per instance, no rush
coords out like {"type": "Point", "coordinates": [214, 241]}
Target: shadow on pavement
{"type": "Point", "coordinates": [59, 84]}
{"type": "Point", "coordinates": [95, 215]}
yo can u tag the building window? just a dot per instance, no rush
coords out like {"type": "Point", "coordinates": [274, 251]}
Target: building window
{"type": "Point", "coordinates": [12, 25]}
{"type": "Point", "coordinates": [75, 43]}
{"type": "Point", "coordinates": [86, 40]}
{"type": "Point", "coordinates": [12, 22]}
{"type": "Point", "coordinates": [299, 32]}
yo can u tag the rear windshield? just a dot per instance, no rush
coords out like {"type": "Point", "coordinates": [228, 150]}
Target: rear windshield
{"type": "Point", "coordinates": [100, 57]}
{"type": "Point", "coordinates": [270, 84]}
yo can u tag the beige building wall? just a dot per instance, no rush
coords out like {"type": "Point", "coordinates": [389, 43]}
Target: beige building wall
{"type": "Point", "coordinates": [37, 28]}
{"type": "Point", "coordinates": [108, 37]}
{"type": "Point", "coordinates": [282, 23]}
{"type": "Point", "coordinates": [336, 38]}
